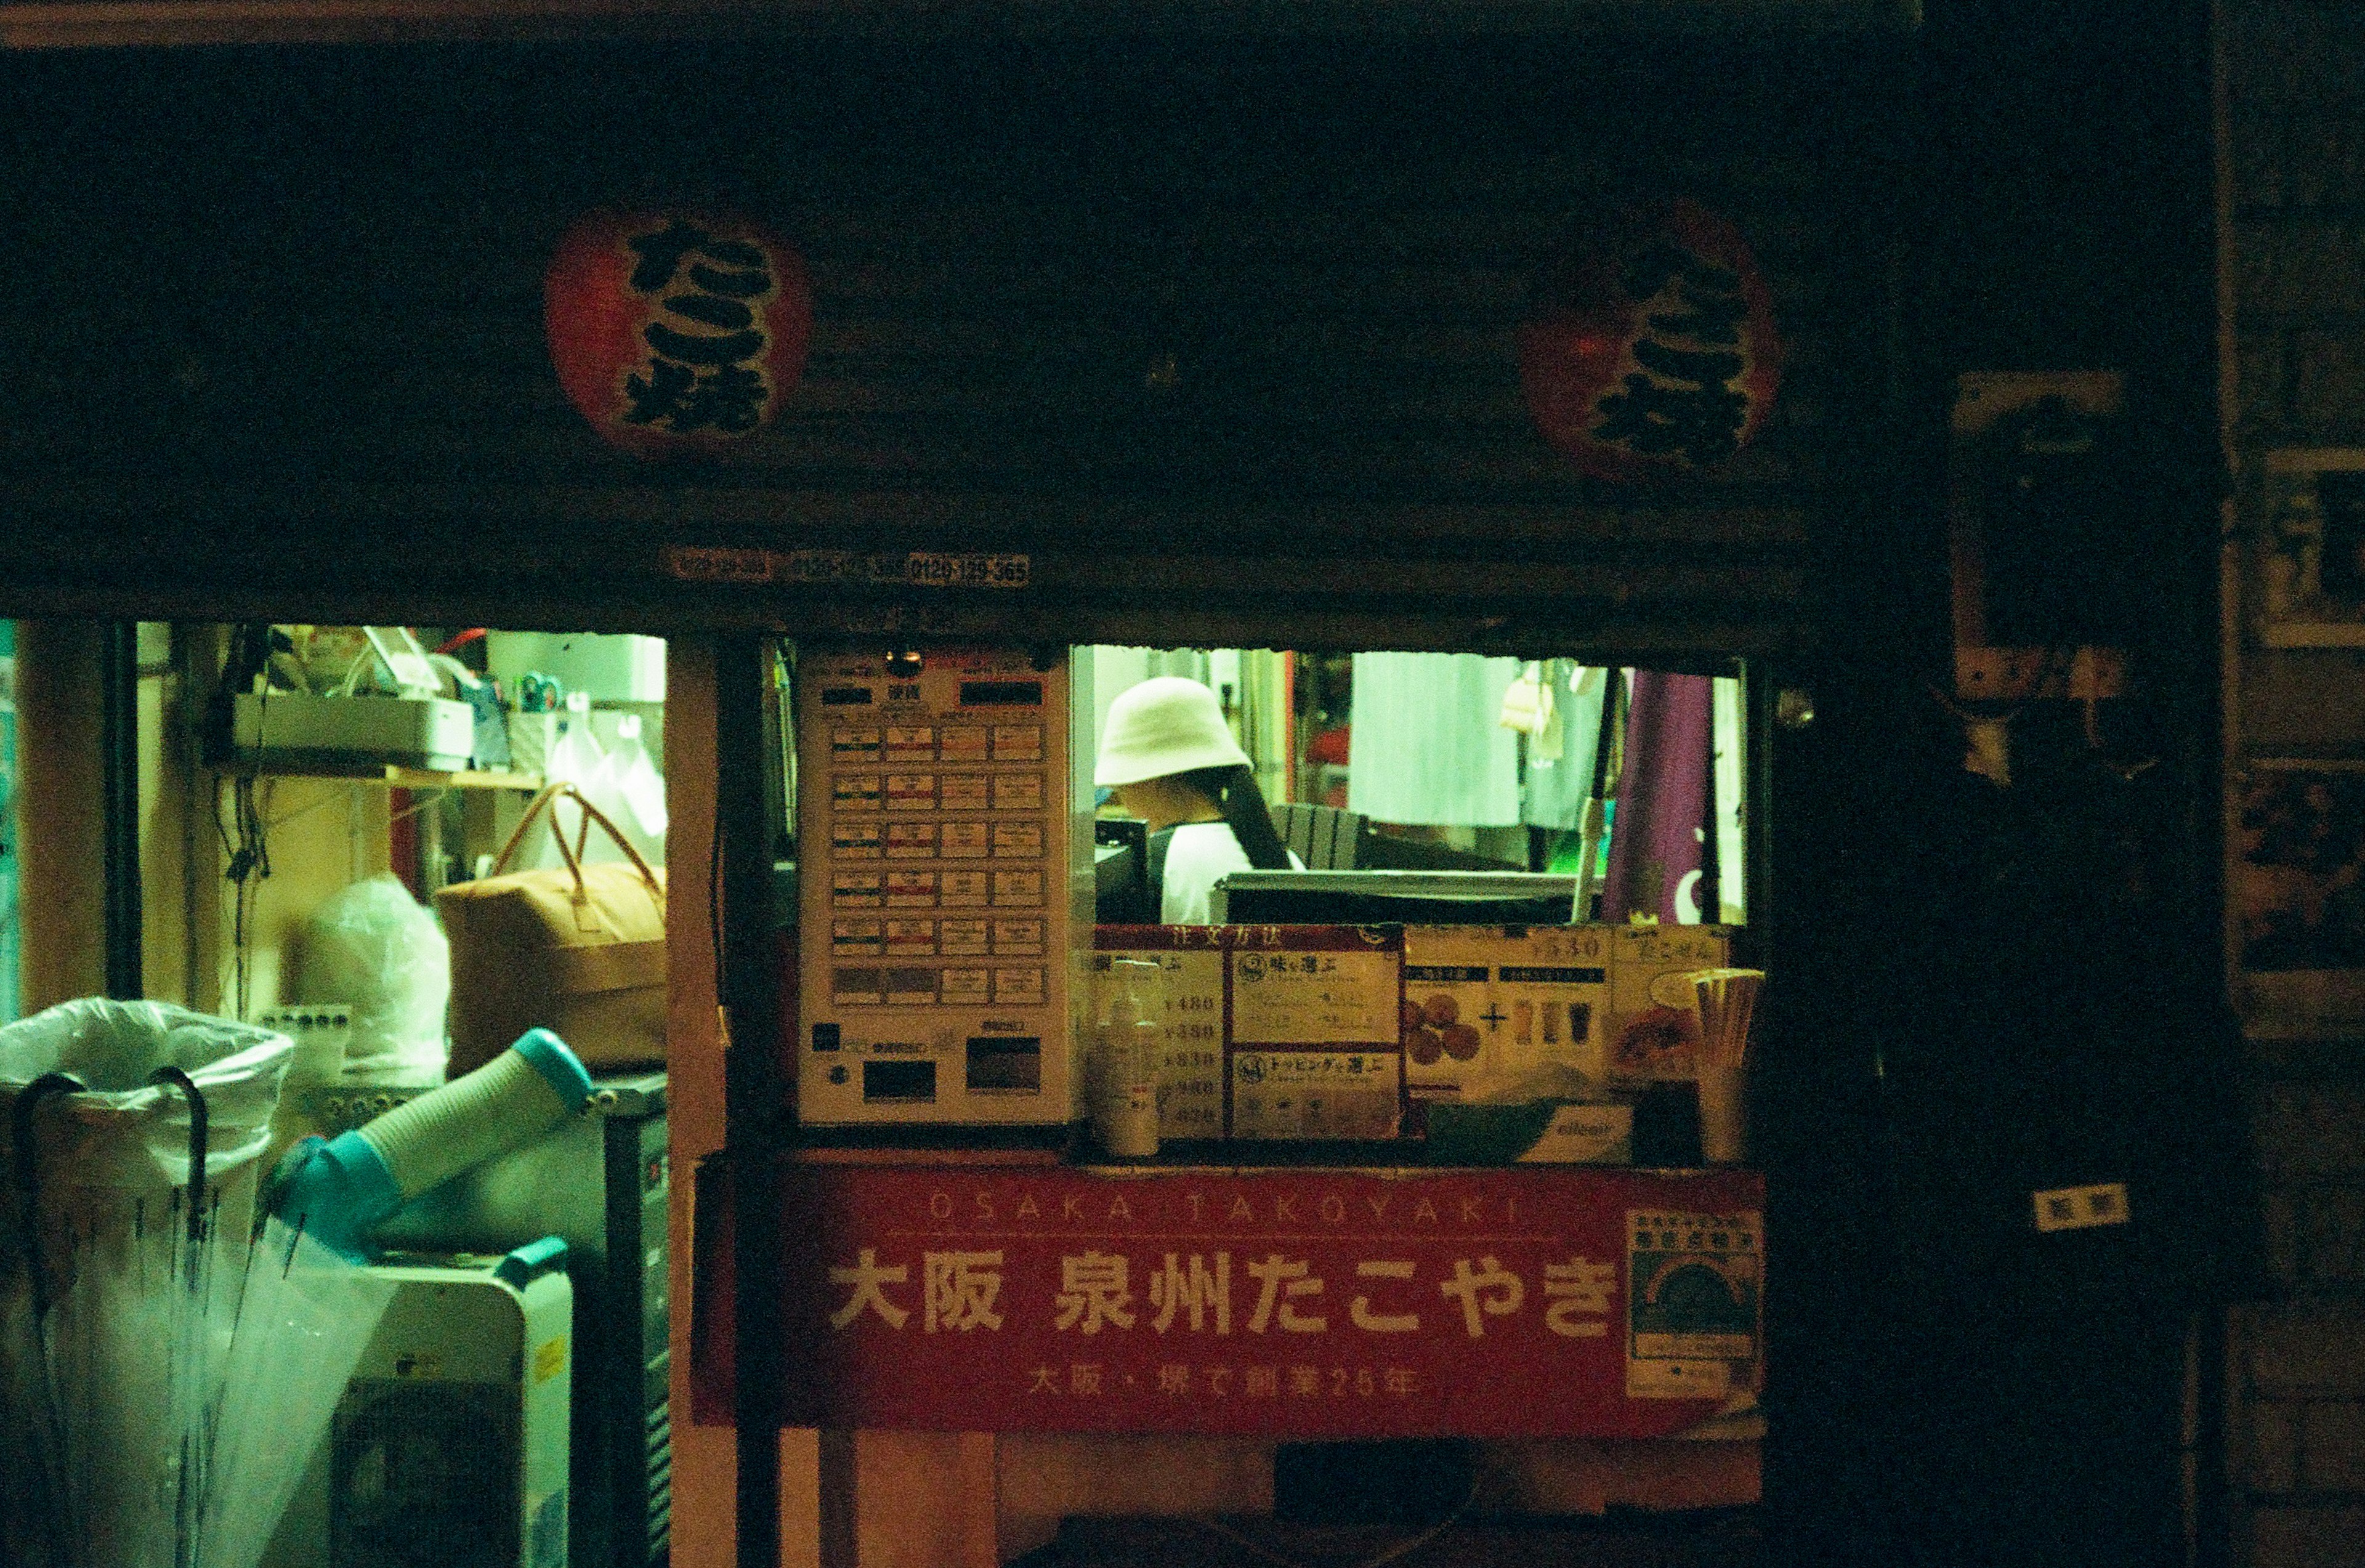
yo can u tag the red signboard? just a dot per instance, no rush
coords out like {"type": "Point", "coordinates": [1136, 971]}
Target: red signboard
{"type": "Point", "coordinates": [1655, 352]}
{"type": "Point", "coordinates": [675, 332]}
{"type": "Point", "coordinates": [1569, 1301]}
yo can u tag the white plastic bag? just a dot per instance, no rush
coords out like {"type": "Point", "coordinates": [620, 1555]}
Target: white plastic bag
{"type": "Point", "coordinates": [629, 788]}
{"type": "Point", "coordinates": [127, 1132]}
{"type": "Point", "coordinates": [621, 779]}
{"type": "Point", "coordinates": [575, 757]}
{"type": "Point", "coordinates": [105, 1294]}
{"type": "Point", "coordinates": [382, 953]}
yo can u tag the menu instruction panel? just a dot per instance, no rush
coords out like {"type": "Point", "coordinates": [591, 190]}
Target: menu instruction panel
{"type": "Point", "coordinates": [1274, 1031]}
{"type": "Point", "coordinates": [1498, 1013]}
{"type": "Point", "coordinates": [1315, 1043]}
{"type": "Point", "coordinates": [1653, 1011]}
{"type": "Point", "coordinates": [1190, 998]}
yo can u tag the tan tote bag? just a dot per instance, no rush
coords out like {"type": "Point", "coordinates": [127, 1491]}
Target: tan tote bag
{"type": "Point", "coordinates": [577, 949]}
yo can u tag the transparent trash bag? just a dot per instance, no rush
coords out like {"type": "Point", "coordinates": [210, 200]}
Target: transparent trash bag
{"type": "Point", "coordinates": [129, 1136]}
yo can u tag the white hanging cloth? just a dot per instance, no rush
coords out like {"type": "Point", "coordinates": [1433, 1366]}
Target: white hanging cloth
{"type": "Point", "coordinates": [1556, 788]}
{"type": "Point", "coordinates": [1427, 747]}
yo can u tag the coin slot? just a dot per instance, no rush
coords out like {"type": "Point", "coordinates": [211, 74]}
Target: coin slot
{"type": "Point", "coordinates": [899, 1082]}
{"type": "Point", "coordinates": [1008, 1064]}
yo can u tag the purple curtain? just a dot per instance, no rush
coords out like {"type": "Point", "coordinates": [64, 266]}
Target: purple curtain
{"type": "Point", "coordinates": [1660, 860]}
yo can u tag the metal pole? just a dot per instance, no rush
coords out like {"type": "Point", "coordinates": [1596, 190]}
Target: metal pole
{"type": "Point", "coordinates": [755, 1093]}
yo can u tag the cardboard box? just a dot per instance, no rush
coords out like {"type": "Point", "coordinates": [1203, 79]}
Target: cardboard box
{"type": "Point", "coordinates": [1653, 1015]}
{"type": "Point", "coordinates": [1314, 1050]}
{"type": "Point", "coordinates": [1491, 1009]}
{"type": "Point", "coordinates": [1542, 1132]}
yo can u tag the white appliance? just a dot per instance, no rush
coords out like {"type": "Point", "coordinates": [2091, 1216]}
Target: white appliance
{"type": "Point", "coordinates": [609, 668]}
{"type": "Point", "coordinates": [450, 1445]}
{"type": "Point", "coordinates": [295, 729]}
{"type": "Point", "coordinates": [945, 885]}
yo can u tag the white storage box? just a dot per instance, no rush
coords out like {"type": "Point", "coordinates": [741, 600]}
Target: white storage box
{"type": "Point", "coordinates": [295, 729]}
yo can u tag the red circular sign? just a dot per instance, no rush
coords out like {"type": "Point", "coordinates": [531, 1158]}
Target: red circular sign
{"type": "Point", "coordinates": [674, 331]}
{"type": "Point", "coordinates": [1653, 351]}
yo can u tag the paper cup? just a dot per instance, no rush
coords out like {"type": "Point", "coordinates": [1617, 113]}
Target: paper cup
{"type": "Point", "coordinates": [1723, 1125]}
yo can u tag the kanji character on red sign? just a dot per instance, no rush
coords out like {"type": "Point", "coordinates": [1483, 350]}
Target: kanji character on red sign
{"type": "Point", "coordinates": [1092, 1292]}
{"type": "Point", "coordinates": [959, 1290]}
{"type": "Point", "coordinates": [1283, 1280]}
{"type": "Point", "coordinates": [1194, 1289]}
{"type": "Point", "coordinates": [1578, 1293]}
{"type": "Point", "coordinates": [869, 1282]}
{"type": "Point", "coordinates": [1360, 1313]}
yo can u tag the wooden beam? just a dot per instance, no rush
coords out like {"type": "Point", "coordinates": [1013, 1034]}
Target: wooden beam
{"type": "Point", "coordinates": [119, 24]}
{"type": "Point", "coordinates": [60, 812]}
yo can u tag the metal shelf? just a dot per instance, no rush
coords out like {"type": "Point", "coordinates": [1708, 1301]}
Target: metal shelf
{"type": "Point", "coordinates": [393, 777]}
{"type": "Point", "coordinates": [489, 779]}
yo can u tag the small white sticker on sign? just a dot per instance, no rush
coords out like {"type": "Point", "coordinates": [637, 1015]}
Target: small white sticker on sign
{"type": "Point", "coordinates": [2081, 1208]}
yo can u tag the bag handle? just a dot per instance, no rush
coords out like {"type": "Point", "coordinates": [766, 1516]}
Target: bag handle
{"type": "Point", "coordinates": [573, 854]}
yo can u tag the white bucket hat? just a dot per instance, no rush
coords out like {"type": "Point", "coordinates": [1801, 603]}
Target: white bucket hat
{"type": "Point", "coordinates": [1166, 725]}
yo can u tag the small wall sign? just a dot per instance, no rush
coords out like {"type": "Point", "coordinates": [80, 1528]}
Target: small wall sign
{"type": "Point", "coordinates": [2313, 562]}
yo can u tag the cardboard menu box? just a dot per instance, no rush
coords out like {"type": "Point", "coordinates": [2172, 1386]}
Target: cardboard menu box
{"type": "Point", "coordinates": [1316, 1051]}
{"type": "Point", "coordinates": [1351, 1033]}
{"type": "Point", "coordinates": [1274, 1032]}
{"type": "Point", "coordinates": [1653, 1015]}
{"type": "Point", "coordinates": [1505, 1028]}
{"type": "Point", "coordinates": [1547, 1132]}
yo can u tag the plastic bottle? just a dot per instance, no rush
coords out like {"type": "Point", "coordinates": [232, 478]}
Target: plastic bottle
{"type": "Point", "coordinates": [1124, 1116]}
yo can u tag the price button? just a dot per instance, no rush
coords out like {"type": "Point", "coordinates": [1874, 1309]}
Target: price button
{"type": "Point", "coordinates": [1018, 988]}
{"type": "Point", "coordinates": [854, 889]}
{"type": "Point", "coordinates": [910, 889]}
{"type": "Point", "coordinates": [963, 743]}
{"type": "Point", "coordinates": [910, 841]}
{"type": "Point", "coordinates": [962, 938]}
{"type": "Point", "coordinates": [1018, 841]}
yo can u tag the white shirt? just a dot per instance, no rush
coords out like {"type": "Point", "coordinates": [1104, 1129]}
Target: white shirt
{"type": "Point", "coordinates": [1196, 855]}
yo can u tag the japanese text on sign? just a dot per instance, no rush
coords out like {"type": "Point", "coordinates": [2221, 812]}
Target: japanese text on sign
{"type": "Point", "coordinates": [1335, 1303]}
{"type": "Point", "coordinates": [956, 1292]}
{"type": "Point", "coordinates": [706, 348]}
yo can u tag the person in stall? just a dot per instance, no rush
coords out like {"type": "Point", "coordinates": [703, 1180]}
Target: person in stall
{"type": "Point", "coordinates": [1171, 760]}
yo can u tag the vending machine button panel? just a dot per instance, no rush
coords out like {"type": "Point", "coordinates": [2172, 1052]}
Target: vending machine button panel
{"type": "Point", "coordinates": [961, 770]}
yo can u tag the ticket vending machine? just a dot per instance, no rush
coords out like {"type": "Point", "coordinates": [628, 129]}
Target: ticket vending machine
{"type": "Point", "coordinates": [945, 885]}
